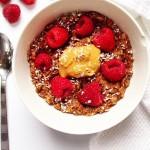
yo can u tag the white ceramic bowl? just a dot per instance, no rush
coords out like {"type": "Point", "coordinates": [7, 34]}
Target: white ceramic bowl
{"type": "Point", "coordinates": [69, 123]}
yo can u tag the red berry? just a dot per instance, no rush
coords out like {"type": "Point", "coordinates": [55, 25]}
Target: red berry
{"type": "Point", "coordinates": [43, 61]}
{"type": "Point", "coordinates": [57, 37]}
{"type": "Point", "coordinates": [4, 1]}
{"type": "Point", "coordinates": [113, 70]}
{"type": "Point", "coordinates": [93, 85]}
{"type": "Point", "coordinates": [28, 2]}
{"type": "Point", "coordinates": [104, 39]}
{"type": "Point", "coordinates": [84, 26]}
{"type": "Point", "coordinates": [11, 12]}
{"type": "Point", "coordinates": [91, 95]}
{"type": "Point", "coordinates": [61, 87]}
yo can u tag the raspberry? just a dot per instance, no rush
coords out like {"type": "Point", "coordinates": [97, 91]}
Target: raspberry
{"type": "Point", "coordinates": [113, 70]}
{"type": "Point", "coordinates": [84, 26]}
{"type": "Point", "coordinates": [104, 39]}
{"type": "Point", "coordinates": [61, 87]}
{"type": "Point", "coordinates": [43, 61]}
{"type": "Point", "coordinates": [11, 12]}
{"type": "Point", "coordinates": [93, 85]}
{"type": "Point", "coordinates": [28, 2]}
{"type": "Point", "coordinates": [57, 37]}
{"type": "Point", "coordinates": [90, 95]}
{"type": "Point", "coordinates": [4, 1]}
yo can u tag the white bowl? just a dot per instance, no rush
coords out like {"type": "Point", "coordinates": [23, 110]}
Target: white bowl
{"type": "Point", "coordinates": [69, 123]}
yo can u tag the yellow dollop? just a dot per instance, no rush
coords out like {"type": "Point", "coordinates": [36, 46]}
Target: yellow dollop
{"type": "Point", "coordinates": [79, 61]}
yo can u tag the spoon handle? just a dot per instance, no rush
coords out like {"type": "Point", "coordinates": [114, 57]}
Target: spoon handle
{"type": "Point", "coordinates": [4, 127]}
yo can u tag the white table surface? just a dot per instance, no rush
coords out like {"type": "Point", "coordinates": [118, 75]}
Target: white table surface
{"type": "Point", "coordinates": [25, 132]}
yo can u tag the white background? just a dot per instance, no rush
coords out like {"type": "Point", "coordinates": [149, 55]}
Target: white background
{"type": "Point", "coordinates": [26, 133]}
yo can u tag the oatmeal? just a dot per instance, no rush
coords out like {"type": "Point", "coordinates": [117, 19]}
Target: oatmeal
{"type": "Point", "coordinates": [81, 63]}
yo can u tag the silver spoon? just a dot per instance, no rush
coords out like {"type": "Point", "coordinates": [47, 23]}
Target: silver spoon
{"type": "Point", "coordinates": [6, 52]}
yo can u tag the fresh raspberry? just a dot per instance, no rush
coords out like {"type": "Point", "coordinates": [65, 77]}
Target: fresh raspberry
{"type": "Point", "coordinates": [113, 70]}
{"type": "Point", "coordinates": [84, 26]}
{"type": "Point", "coordinates": [104, 39]}
{"type": "Point", "coordinates": [91, 95]}
{"type": "Point", "coordinates": [4, 1]}
{"type": "Point", "coordinates": [28, 2]}
{"type": "Point", "coordinates": [57, 37]}
{"type": "Point", "coordinates": [11, 12]}
{"type": "Point", "coordinates": [43, 61]}
{"type": "Point", "coordinates": [61, 87]}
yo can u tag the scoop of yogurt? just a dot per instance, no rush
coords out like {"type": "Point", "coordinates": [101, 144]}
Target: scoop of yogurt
{"type": "Point", "coordinates": [79, 61]}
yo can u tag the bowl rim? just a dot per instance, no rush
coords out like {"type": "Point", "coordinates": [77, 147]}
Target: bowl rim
{"type": "Point", "coordinates": [91, 131]}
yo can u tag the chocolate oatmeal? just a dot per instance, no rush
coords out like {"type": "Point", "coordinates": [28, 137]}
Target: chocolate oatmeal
{"type": "Point", "coordinates": [110, 45]}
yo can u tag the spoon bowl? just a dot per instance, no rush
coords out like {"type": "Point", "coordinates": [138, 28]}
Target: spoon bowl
{"type": "Point", "coordinates": [6, 52]}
